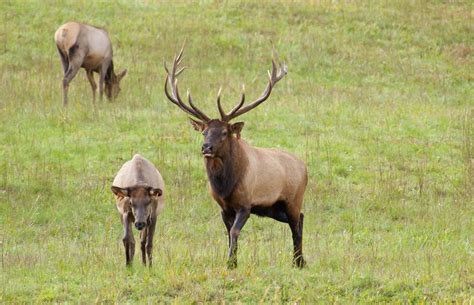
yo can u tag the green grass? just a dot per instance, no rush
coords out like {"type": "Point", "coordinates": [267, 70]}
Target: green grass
{"type": "Point", "coordinates": [378, 102]}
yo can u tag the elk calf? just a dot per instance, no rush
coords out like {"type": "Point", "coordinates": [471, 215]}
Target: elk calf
{"type": "Point", "coordinates": [243, 179]}
{"type": "Point", "coordinates": [81, 45]}
{"type": "Point", "coordinates": [138, 188]}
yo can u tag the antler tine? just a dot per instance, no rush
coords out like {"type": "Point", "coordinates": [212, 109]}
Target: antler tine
{"type": "Point", "coordinates": [168, 95]}
{"type": "Point", "coordinates": [202, 114]}
{"type": "Point", "coordinates": [277, 73]}
{"type": "Point", "coordinates": [238, 106]}
{"type": "Point", "coordinates": [219, 106]}
{"type": "Point", "coordinates": [174, 97]}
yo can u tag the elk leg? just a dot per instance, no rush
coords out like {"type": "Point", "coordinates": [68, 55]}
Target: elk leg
{"type": "Point", "coordinates": [149, 240]}
{"type": "Point", "coordinates": [103, 72]}
{"type": "Point", "coordinates": [296, 226]}
{"type": "Point", "coordinates": [76, 58]}
{"type": "Point", "coordinates": [143, 235]}
{"type": "Point", "coordinates": [228, 219]}
{"type": "Point", "coordinates": [68, 76]}
{"type": "Point", "coordinates": [127, 239]}
{"type": "Point", "coordinates": [240, 220]}
{"type": "Point", "coordinates": [90, 77]}
{"type": "Point", "coordinates": [64, 60]}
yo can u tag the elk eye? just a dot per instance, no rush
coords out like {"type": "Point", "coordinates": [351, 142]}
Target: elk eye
{"type": "Point", "coordinates": [204, 133]}
{"type": "Point", "coordinates": [224, 133]}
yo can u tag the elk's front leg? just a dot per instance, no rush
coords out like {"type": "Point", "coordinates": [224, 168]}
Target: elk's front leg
{"type": "Point", "coordinates": [228, 218]}
{"type": "Point", "coordinates": [128, 241]}
{"type": "Point", "coordinates": [90, 77]}
{"type": "Point", "coordinates": [149, 239]}
{"type": "Point", "coordinates": [103, 73]}
{"type": "Point", "coordinates": [240, 219]}
{"type": "Point", "coordinates": [143, 236]}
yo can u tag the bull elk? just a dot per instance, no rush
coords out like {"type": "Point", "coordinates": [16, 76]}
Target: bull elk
{"type": "Point", "coordinates": [81, 45]}
{"type": "Point", "coordinates": [243, 179]}
{"type": "Point", "coordinates": [138, 188]}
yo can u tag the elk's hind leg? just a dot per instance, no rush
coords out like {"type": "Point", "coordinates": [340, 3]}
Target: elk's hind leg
{"type": "Point", "coordinates": [296, 226]}
{"type": "Point", "coordinates": [76, 58]}
{"type": "Point", "coordinates": [64, 60]}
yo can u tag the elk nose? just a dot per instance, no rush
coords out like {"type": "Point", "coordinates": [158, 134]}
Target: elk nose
{"type": "Point", "coordinates": [206, 148]}
{"type": "Point", "coordinates": [139, 225]}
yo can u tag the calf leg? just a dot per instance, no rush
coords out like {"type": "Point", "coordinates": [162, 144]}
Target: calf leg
{"type": "Point", "coordinates": [143, 236]}
{"type": "Point", "coordinates": [90, 77]}
{"type": "Point", "coordinates": [240, 219]}
{"type": "Point", "coordinates": [149, 240]}
{"type": "Point", "coordinates": [128, 241]}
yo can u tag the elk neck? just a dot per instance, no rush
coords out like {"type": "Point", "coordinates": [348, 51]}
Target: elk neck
{"type": "Point", "coordinates": [227, 170]}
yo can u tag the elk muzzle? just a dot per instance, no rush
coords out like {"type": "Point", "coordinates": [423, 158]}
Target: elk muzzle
{"type": "Point", "coordinates": [140, 225]}
{"type": "Point", "coordinates": [207, 150]}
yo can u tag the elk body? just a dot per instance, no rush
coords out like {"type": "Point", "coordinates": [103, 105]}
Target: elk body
{"type": "Point", "coordinates": [243, 179]}
{"type": "Point", "coordinates": [138, 188]}
{"type": "Point", "coordinates": [81, 45]}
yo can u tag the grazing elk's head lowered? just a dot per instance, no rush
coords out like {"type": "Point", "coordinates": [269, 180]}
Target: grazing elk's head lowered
{"type": "Point", "coordinates": [243, 179]}
{"type": "Point", "coordinates": [84, 46]}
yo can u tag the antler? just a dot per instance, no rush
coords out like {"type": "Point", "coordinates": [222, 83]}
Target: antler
{"type": "Point", "coordinates": [278, 72]}
{"type": "Point", "coordinates": [174, 97]}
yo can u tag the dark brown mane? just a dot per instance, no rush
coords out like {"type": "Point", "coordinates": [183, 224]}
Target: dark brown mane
{"type": "Point", "coordinates": [224, 174]}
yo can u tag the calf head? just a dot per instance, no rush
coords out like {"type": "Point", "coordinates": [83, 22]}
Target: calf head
{"type": "Point", "coordinates": [140, 202]}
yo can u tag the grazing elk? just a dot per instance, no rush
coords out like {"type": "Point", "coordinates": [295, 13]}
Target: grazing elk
{"type": "Point", "coordinates": [138, 188]}
{"type": "Point", "coordinates": [81, 45]}
{"type": "Point", "coordinates": [243, 179]}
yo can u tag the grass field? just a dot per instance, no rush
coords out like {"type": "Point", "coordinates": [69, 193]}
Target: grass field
{"type": "Point", "coordinates": [378, 102]}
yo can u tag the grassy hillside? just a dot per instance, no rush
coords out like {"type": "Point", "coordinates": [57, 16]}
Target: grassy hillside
{"type": "Point", "coordinates": [378, 102]}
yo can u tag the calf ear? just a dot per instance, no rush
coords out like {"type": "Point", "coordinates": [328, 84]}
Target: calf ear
{"type": "Point", "coordinates": [121, 192]}
{"type": "Point", "coordinates": [122, 74]}
{"type": "Point", "coordinates": [155, 192]}
{"type": "Point", "coordinates": [198, 126]}
{"type": "Point", "coordinates": [237, 128]}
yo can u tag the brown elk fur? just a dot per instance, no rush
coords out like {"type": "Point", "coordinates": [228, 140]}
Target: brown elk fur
{"type": "Point", "coordinates": [138, 188]}
{"type": "Point", "coordinates": [243, 179]}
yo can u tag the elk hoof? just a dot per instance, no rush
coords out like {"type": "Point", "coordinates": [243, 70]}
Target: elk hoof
{"type": "Point", "coordinates": [232, 263]}
{"type": "Point", "coordinates": [299, 262]}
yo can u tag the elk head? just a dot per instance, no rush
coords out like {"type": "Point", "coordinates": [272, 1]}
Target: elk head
{"type": "Point", "coordinates": [218, 132]}
{"type": "Point", "coordinates": [112, 84]}
{"type": "Point", "coordinates": [140, 199]}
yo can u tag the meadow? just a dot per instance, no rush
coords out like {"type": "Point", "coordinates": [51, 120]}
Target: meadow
{"type": "Point", "coordinates": [378, 102]}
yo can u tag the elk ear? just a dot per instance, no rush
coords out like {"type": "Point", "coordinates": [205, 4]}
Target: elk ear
{"type": "Point", "coordinates": [121, 192]}
{"type": "Point", "coordinates": [155, 192]}
{"type": "Point", "coordinates": [198, 126]}
{"type": "Point", "coordinates": [122, 74]}
{"type": "Point", "coordinates": [237, 128]}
